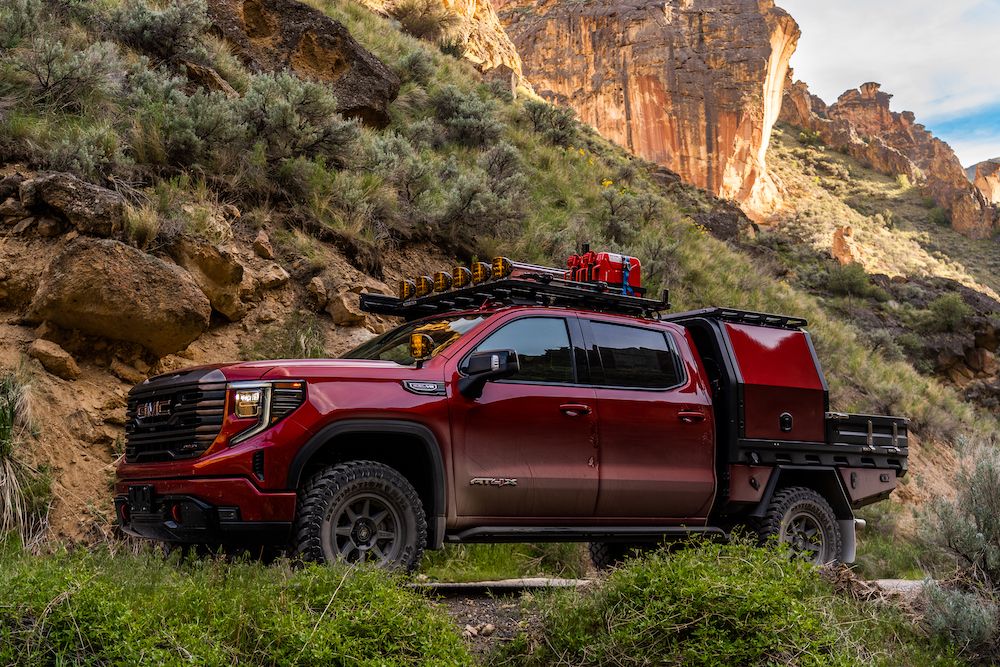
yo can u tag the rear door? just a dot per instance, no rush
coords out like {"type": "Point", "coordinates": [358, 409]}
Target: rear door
{"type": "Point", "coordinates": [527, 448]}
{"type": "Point", "coordinates": [657, 449]}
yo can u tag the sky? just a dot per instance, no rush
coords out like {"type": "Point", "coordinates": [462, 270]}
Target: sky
{"type": "Point", "coordinates": [938, 58]}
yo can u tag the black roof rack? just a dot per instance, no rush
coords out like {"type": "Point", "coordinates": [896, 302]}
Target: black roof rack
{"type": "Point", "coordinates": [741, 317]}
{"type": "Point", "coordinates": [536, 291]}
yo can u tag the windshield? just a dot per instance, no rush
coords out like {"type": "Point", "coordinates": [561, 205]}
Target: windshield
{"type": "Point", "coordinates": [395, 345]}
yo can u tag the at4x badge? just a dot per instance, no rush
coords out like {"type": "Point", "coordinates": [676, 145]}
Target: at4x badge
{"type": "Point", "coordinates": [492, 481]}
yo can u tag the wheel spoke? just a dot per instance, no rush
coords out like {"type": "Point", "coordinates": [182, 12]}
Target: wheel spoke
{"type": "Point", "coordinates": [366, 508]}
{"type": "Point", "coordinates": [351, 515]}
{"type": "Point", "coordinates": [343, 531]}
{"type": "Point", "coordinates": [378, 518]}
{"type": "Point", "coordinates": [378, 552]}
{"type": "Point", "coordinates": [385, 535]}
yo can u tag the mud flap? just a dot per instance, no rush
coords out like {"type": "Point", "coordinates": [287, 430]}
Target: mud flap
{"type": "Point", "coordinates": [848, 540]}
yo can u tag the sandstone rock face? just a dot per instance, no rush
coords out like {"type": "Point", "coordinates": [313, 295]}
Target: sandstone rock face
{"type": "Point", "coordinates": [218, 272]}
{"type": "Point", "coordinates": [986, 178]}
{"type": "Point", "coordinates": [844, 248]}
{"type": "Point", "coordinates": [91, 209]}
{"type": "Point", "coordinates": [108, 289]}
{"type": "Point", "coordinates": [274, 35]}
{"type": "Point", "coordinates": [54, 359]}
{"type": "Point", "coordinates": [479, 29]}
{"type": "Point", "coordinates": [861, 123]}
{"type": "Point", "coordinates": [695, 87]}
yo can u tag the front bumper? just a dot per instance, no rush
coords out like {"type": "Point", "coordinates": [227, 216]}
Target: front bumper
{"type": "Point", "coordinates": [203, 511]}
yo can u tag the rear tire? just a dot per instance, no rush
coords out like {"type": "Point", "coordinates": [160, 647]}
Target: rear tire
{"type": "Point", "coordinates": [360, 512]}
{"type": "Point", "coordinates": [803, 519]}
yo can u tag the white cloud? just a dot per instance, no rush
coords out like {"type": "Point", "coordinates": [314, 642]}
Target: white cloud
{"type": "Point", "coordinates": [937, 58]}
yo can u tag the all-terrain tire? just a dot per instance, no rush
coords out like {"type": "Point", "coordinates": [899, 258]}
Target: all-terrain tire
{"type": "Point", "coordinates": [360, 511]}
{"type": "Point", "coordinates": [605, 555]}
{"type": "Point", "coordinates": [802, 518]}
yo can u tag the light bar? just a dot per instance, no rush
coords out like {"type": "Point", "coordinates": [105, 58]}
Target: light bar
{"type": "Point", "coordinates": [442, 281]}
{"type": "Point", "coordinates": [461, 277]}
{"type": "Point", "coordinates": [407, 289]}
{"type": "Point", "coordinates": [481, 272]}
{"type": "Point", "coordinates": [425, 285]}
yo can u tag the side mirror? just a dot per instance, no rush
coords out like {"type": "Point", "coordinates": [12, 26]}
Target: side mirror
{"type": "Point", "coordinates": [484, 367]}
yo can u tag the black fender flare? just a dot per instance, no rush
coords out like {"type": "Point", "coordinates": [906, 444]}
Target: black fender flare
{"type": "Point", "coordinates": [371, 426]}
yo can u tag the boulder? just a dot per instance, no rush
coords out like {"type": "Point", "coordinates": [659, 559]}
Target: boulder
{"type": "Point", "coordinates": [273, 277]}
{"type": "Point", "coordinates": [108, 289]}
{"type": "Point", "coordinates": [126, 373]}
{"type": "Point", "coordinates": [218, 272]}
{"type": "Point", "coordinates": [54, 359]}
{"type": "Point", "coordinates": [317, 292]}
{"type": "Point", "coordinates": [91, 209]}
{"type": "Point", "coordinates": [345, 309]}
{"type": "Point", "coordinates": [275, 35]}
{"type": "Point", "coordinates": [262, 245]}
{"type": "Point", "coordinates": [207, 77]}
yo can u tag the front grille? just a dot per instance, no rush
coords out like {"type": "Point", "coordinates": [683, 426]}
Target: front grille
{"type": "Point", "coordinates": [173, 417]}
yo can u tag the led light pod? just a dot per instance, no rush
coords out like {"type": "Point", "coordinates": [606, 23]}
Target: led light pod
{"type": "Point", "coordinates": [425, 285]}
{"type": "Point", "coordinates": [442, 281]}
{"type": "Point", "coordinates": [502, 267]}
{"type": "Point", "coordinates": [481, 272]}
{"type": "Point", "coordinates": [421, 346]}
{"type": "Point", "coordinates": [407, 289]}
{"type": "Point", "coordinates": [461, 277]}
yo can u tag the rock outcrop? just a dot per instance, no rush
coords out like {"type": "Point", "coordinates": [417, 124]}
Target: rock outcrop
{"type": "Point", "coordinates": [861, 124]}
{"type": "Point", "coordinates": [54, 359]}
{"type": "Point", "coordinates": [478, 29]}
{"type": "Point", "coordinates": [986, 178]}
{"type": "Point", "coordinates": [88, 208]}
{"type": "Point", "coordinates": [105, 288]}
{"type": "Point", "coordinates": [274, 35]}
{"type": "Point", "coordinates": [695, 87]}
{"type": "Point", "coordinates": [218, 272]}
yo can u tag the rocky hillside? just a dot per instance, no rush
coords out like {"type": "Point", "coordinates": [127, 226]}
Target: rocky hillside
{"type": "Point", "coordinates": [986, 177]}
{"type": "Point", "coordinates": [193, 182]}
{"type": "Point", "coordinates": [861, 124]}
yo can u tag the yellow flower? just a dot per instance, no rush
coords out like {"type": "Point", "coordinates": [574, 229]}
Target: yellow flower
{"type": "Point", "coordinates": [607, 182]}
{"type": "Point", "coordinates": [583, 152]}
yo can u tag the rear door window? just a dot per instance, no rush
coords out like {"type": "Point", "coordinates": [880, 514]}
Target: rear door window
{"type": "Point", "coordinates": [543, 348]}
{"type": "Point", "coordinates": [634, 357]}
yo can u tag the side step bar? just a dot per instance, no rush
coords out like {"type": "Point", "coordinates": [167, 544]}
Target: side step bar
{"type": "Point", "coordinates": [580, 533]}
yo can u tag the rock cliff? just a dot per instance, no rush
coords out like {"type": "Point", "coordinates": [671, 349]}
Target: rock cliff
{"type": "Point", "coordinates": [861, 124]}
{"type": "Point", "coordinates": [986, 178]}
{"type": "Point", "coordinates": [694, 87]}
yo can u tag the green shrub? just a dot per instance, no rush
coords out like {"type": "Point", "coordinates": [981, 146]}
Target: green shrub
{"type": "Point", "coordinates": [469, 119]}
{"type": "Point", "coordinates": [18, 20]}
{"type": "Point", "coordinates": [64, 79]}
{"type": "Point", "coordinates": [849, 280]}
{"type": "Point", "coordinates": [292, 117]}
{"type": "Point", "coordinates": [810, 138]}
{"type": "Point", "coordinates": [557, 124]}
{"type": "Point", "coordinates": [491, 562]}
{"type": "Point", "coordinates": [91, 152]}
{"type": "Point", "coordinates": [711, 604]}
{"type": "Point", "coordinates": [424, 19]}
{"type": "Point", "coordinates": [400, 163]}
{"type": "Point", "coordinates": [25, 493]}
{"type": "Point", "coordinates": [938, 216]}
{"type": "Point", "coordinates": [966, 621]}
{"type": "Point", "coordinates": [946, 313]}
{"type": "Point", "coordinates": [99, 609]}
{"type": "Point", "coordinates": [416, 66]}
{"type": "Point", "coordinates": [169, 33]}
{"type": "Point", "coordinates": [301, 336]}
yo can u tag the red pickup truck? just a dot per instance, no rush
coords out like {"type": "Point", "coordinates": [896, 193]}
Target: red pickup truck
{"type": "Point", "coordinates": [514, 404]}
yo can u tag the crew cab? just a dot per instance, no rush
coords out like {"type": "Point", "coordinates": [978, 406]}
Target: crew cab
{"type": "Point", "coordinates": [516, 403]}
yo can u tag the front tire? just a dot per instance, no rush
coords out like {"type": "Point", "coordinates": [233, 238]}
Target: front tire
{"type": "Point", "coordinates": [360, 512]}
{"type": "Point", "coordinates": [803, 519]}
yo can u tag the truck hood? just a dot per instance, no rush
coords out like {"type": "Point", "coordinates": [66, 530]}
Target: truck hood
{"type": "Point", "coordinates": [305, 369]}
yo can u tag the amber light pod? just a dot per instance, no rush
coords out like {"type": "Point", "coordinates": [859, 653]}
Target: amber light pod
{"type": "Point", "coordinates": [461, 277]}
{"type": "Point", "coordinates": [425, 285]}
{"type": "Point", "coordinates": [481, 272]}
{"type": "Point", "coordinates": [502, 267]}
{"type": "Point", "coordinates": [421, 346]}
{"type": "Point", "coordinates": [442, 281]}
{"type": "Point", "coordinates": [407, 289]}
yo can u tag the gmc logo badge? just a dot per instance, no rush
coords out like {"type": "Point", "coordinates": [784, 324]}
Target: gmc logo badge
{"type": "Point", "coordinates": [152, 409]}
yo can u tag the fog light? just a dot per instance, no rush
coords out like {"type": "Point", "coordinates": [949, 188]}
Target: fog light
{"type": "Point", "coordinates": [248, 403]}
{"type": "Point", "coordinates": [481, 272]}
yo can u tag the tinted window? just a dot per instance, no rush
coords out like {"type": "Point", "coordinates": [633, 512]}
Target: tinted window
{"type": "Point", "coordinates": [634, 357]}
{"type": "Point", "coordinates": [542, 346]}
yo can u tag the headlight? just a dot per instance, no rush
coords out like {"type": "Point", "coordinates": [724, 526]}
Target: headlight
{"type": "Point", "coordinates": [257, 406]}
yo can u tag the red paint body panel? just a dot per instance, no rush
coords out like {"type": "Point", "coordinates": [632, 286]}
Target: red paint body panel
{"type": "Point", "coordinates": [652, 463]}
{"type": "Point", "coordinates": [780, 375]}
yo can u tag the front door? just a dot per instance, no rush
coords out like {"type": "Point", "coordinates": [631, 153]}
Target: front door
{"type": "Point", "coordinates": [528, 446]}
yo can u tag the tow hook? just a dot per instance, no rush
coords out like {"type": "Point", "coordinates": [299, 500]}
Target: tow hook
{"type": "Point", "coordinates": [859, 524]}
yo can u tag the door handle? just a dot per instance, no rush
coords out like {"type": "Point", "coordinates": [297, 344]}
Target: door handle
{"type": "Point", "coordinates": [574, 409]}
{"type": "Point", "coordinates": [691, 416]}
